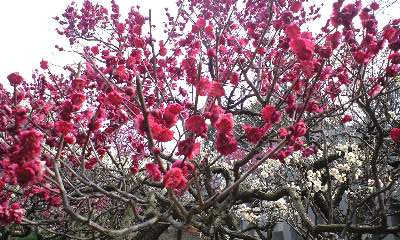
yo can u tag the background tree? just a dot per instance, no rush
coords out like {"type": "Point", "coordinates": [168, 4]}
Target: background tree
{"type": "Point", "coordinates": [239, 112]}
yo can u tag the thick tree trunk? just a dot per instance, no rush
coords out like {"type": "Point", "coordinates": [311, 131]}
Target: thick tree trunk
{"type": "Point", "coordinates": [151, 233]}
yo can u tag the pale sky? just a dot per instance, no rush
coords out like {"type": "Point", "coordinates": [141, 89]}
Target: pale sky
{"type": "Point", "coordinates": [28, 32]}
{"type": "Point", "coordinates": [28, 35]}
